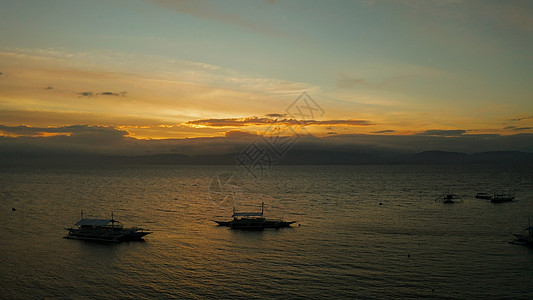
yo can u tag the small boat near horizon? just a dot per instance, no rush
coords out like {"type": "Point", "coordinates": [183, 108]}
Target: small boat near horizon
{"type": "Point", "coordinates": [253, 220]}
{"type": "Point", "coordinates": [486, 196]}
{"type": "Point", "coordinates": [104, 230]}
{"type": "Point", "coordinates": [449, 198]}
{"type": "Point", "coordinates": [503, 197]}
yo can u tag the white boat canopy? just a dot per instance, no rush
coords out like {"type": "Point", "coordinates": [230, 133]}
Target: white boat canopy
{"type": "Point", "coordinates": [93, 222]}
{"type": "Point", "coordinates": [244, 214]}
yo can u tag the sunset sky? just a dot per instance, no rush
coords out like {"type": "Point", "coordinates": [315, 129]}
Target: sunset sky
{"type": "Point", "coordinates": [171, 70]}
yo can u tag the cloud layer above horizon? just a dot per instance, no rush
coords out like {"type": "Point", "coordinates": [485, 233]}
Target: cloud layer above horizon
{"type": "Point", "coordinates": [101, 140]}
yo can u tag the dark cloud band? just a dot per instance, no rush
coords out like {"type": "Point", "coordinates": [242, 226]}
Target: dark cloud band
{"type": "Point", "coordinates": [251, 121]}
{"type": "Point", "coordinates": [91, 94]}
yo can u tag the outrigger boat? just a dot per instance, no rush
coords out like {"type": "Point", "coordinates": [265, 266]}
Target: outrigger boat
{"type": "Point", "coordinates": [449, 198]}
{"type": "Point", "coordinates": [104, 230]}
{"type": "Point", "coordinates": [524, 240]}
{"type": "Point", "coordinates": [253, 220]}
{"type": "Point", "coordinates": [502, 197]}
{"type": "Point", "coordinates": [486, 196]}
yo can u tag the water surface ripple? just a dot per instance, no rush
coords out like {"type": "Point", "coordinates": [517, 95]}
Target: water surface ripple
{"type": "Point", "coordinates": [348, 245]}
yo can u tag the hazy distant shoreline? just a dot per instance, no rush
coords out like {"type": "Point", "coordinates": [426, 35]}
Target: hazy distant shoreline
{"type": "Point", "coordinates": [292, 158]}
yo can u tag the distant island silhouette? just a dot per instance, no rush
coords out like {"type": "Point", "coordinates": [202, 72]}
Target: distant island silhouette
{"type": "Point", "coordinates": [323, 157]}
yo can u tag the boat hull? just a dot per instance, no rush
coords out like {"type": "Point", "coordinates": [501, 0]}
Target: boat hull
{"type": "Point", "coordinates": [502, 199]}
{"type": "Point", "coordinates": [101, 235]}
{"type": "Point", "coordinates": [253, 224]}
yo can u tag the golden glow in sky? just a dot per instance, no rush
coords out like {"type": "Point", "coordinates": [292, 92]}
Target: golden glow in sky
{"type": "Point", "coordinates": [189, 69]}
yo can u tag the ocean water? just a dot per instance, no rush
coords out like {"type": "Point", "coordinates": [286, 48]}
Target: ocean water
{"type": "Point", "coordinates": [344, 244]}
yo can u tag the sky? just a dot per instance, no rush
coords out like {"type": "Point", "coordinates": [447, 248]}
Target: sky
{"type": "Point", "coordinates": [152, 76]}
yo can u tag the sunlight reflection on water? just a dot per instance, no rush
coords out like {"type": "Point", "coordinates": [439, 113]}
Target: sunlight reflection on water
{"type": "Point", "coordinates": [347, 245]}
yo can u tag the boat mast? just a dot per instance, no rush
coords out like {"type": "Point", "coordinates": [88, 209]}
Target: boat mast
{"type": "Point", "coordinates": [529, 226]}
{"type": "Point", "coordinates": [112, 220]}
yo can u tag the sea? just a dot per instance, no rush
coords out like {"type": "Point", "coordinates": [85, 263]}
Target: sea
{"type": "Point", "coordinates": [361, 232]}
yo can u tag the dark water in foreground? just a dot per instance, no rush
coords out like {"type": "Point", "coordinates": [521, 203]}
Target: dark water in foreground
{"type": "Point", "coordinates": [347, 245]}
